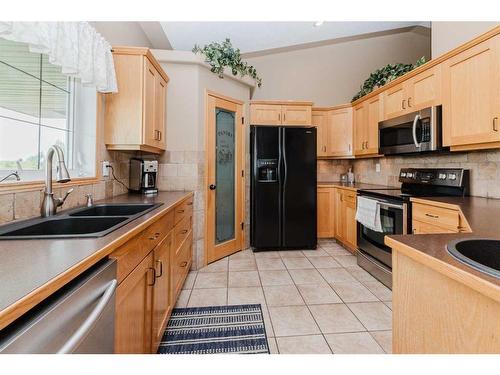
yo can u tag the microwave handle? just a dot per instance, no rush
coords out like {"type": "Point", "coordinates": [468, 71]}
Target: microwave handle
{"type": "Point", "coordinates": [414, 129]}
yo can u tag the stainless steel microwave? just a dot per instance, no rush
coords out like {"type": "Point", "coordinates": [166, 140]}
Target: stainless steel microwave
{"type": "Point", "coordinates": [419, 131]}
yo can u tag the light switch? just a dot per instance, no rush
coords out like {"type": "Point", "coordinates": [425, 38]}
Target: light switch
{"type": "Point", "coordinates": [377, 167]}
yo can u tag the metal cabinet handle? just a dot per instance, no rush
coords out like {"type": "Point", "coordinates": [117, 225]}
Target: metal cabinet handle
{"type": "Point", "coordinates": [159, 135]}
{"type": "Point", "coordinates": [184, 264]}
{"type": "Point", "coordinates": [184, 231]}
{"type": "Point", "coordinates": [279, 117]}
{"type": "Point", "coordinates": [161, 268]}
{"type": "Point", "coordinates": [403, 104]}
{"type": "Point", "coordinates": [190, 204]}
{"type": "Point", "coordinates": [180, 211]}
{"type": "Point", "coordinates": [433, 216]}
{"type": "Point", "coordinates": [70, 345]}
{"type": "Point", "coordinates": [409, 102]}
{"type": "Point", "coordinates": [495, 125]}
{"type": "Point", "coordinates": [212, 187]}
{"type": "Point", "coordinates": [155, 236]}
{"type": "Point", "coordinates": [154, 276]}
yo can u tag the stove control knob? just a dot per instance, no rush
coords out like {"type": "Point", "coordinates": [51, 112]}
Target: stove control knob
{"type": "Point", "coordinates": [452, 176]}
{"type": "Point", "coordinates": [442, 176]}
{"type": "Point", "coordinates": [403, 174]}
{"type": "Point", "coordinates": [409, 175]}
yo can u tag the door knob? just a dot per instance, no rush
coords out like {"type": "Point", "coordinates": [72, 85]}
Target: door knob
{"type": "Point", "coordinates": [212, 187]}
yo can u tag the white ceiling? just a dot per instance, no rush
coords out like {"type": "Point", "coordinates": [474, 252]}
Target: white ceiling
{"type": "Point", "coordinates": [258, 36]}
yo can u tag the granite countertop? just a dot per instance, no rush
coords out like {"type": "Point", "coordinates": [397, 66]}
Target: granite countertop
{"type": "Point", "coordinates": [482, 214]}
{"type": "Point", "coordinates": [354, 186]}
{"type": "Point", "coordinates": [29, 267]}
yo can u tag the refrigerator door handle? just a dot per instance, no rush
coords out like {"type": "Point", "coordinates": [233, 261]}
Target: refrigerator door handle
{"type": "Point", "coordinates": [280, 183]}
{"type": "Point", "coordinates": [283, 200]}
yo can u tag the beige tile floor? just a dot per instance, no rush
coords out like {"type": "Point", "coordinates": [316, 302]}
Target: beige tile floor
{"type": "Point", "coordinates": [313, 301]}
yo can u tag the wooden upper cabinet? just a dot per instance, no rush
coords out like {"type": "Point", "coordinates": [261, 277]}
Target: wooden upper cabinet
{"type": "Point", "coordinates": [296, 115]}
{"type": "Point", "coordinates": [265, 114]}
{"type": "Point", "coordinates": [149, 134]}
{"type": "Point", "coordinates": [340, 132]}
{"type": "Point", "coordinates": [161, 112]}
{"type": "Point", "coordinates": [374, 107]}
{"type": "Point", "coordinates": [394, 102]}
{"type": "Point", "coordinates": [418, 92]}
{"type": "Point", "coordinates": [135, 116]}
{"type": "Point", "coordinates": [281, 113]}
{"type": "Point", "coordinates": [360, 118]}
{"type": "Point", "coordinates": [471, 96]}
{"type": "Point", "coordinates": [320, 121]}
{"type": "Point", "coordinates": [133, 310]}
{"type": "Point", "coordinates": [424, 89]}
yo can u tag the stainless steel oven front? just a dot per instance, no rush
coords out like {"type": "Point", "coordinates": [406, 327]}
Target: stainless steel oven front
{"type": "Point", "coordinates": [414, 132]}
{"type": "Point", "coordinates": [373, 255]}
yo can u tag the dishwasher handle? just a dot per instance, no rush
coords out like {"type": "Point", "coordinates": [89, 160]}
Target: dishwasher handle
{"type": "Point", "coordinates": [87, 325]}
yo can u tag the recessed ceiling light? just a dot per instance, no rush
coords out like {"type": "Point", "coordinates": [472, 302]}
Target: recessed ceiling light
{"type": "Point", "coordinates": [318, 23]}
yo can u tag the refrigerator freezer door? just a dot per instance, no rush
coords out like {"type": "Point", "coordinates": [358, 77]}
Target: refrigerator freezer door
{"type": "Point", "coordinates": [299, 188]}
{"type": "Point", "coordinates": [265, 195]}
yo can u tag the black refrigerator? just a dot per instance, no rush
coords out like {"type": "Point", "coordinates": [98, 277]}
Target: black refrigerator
{"type": "Point", "coordinates": [283, 187]}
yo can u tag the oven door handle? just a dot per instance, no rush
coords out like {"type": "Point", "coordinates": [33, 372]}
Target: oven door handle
{"type": "Point", "coordinates": [383, 204]}
{"type": "Point", "coordinates": [414, 131]}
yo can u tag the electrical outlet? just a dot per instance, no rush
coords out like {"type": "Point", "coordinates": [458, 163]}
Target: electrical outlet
{"type": "Point", "coordinates": [105, 168]}
{"type": "Point", "coordinates": [377, 167]}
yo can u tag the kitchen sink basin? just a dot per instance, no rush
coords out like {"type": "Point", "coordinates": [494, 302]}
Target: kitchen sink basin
{"type": "Point", "coordinates": [480, 253]}
{"type": "Point", "coordinates": [114, 210]}
{"type": "Point", "coordinates": [66, 227]}
{"type": "Point", "coordinates": [83, 222]}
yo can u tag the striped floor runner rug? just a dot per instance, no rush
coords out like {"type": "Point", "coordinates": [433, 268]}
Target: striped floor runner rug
{"type": "Point", "coordinates": [215, 330]}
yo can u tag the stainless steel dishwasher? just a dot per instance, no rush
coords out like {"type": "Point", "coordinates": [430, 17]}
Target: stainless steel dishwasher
{"type": "Point", "coordinates": [79, 318]}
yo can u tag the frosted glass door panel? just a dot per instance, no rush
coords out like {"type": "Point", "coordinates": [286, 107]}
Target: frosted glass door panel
{"type": "Point", "coordinates": [224, 175]}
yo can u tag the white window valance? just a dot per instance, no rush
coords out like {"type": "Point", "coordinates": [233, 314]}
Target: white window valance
{"type": "Point", "coordinates": [76, 47]}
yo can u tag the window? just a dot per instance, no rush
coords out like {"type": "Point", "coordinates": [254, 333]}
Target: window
{"type": "Point", "coordinates": [39, 107]}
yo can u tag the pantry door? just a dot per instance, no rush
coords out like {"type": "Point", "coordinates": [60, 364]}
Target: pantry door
{"type": "Point", "coordinates": [225, 180]}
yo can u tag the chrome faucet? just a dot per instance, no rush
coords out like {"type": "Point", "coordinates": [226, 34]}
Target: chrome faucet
{"type": "Point", "coordinates": [49, 203]}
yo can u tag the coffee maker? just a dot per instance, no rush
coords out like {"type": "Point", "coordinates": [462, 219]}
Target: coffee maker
{"type": "Point", "coordinates": [143, 176]}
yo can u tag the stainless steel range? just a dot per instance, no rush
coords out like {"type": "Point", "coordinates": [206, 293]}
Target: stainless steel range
{"type": "Point", "coordinates": [395, 213]}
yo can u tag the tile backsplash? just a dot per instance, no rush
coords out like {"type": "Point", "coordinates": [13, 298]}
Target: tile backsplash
{"type": "Point", "coordinates": [330, 170]}
{"type": "Point", "coordinates": [484, 169]}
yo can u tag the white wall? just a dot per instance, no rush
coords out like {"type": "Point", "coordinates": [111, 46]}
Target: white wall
{"type": "Point", "coordinates": [331, 74]}
{"type": "Point", "coordinates": [448, 35]}
{"type": "Point", "coordinates": [122, 33]}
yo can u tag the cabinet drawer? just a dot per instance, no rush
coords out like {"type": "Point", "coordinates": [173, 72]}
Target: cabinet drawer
{"type": "Point", "coordinates": [181, 263]}
{"type": "Point", "coordinates": [183, 209]}
{"type": "Point", "coordinates": [442, 217]}
{"type": "Point", "coordinates": [182, 230]}
{"type": "Point", "coordinates": [420, 227]}
{"type": "Point", "coordinates": [349, 196]}
{"type": "Point", "coordinates": [128, 256]}
{"type": "Point", "coordinates": [157, 231]}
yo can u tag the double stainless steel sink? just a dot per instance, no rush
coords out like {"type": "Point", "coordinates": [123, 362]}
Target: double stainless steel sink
{"type": "Point", "coordinates": [95, 221]}
{"type": "Point", "coordinates": [480, 253]}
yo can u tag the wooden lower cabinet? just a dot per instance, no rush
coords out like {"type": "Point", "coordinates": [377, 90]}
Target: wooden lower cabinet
{"type": "Point", "coordinates": [325, 212]}
{"type": "Point", "coordinates": [431, 217]}
{"type": "Point", "coordinates": [162, 292]}
{"type": "Point", "coordinates": [153, 269]}
{"type": "Point", "coordinates": [133, 310]}
{"type": "Point", "coordinates": [337, 215]}
{"type": "Point", "coordinates": [345, 218]}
